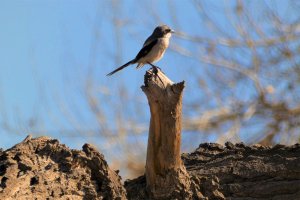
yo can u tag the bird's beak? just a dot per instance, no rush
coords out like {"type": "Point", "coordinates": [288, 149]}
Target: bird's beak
{"type": "Point", "coordinates": [172, 31]}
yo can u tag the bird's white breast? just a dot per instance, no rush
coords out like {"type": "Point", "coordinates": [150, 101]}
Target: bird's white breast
{"type": "Point", "coordinates": [157, 50]}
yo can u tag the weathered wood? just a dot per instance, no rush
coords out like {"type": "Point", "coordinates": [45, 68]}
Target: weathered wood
{"type": "Point", "coordinates": [237, 172]}
{"type": "Point", "coordinates": [165, 173]}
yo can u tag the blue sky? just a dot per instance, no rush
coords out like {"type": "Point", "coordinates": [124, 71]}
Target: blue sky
{"type": "Point", "coordinates": [45, 45]}
{"type": "Point", "coordinates": [47, 50]}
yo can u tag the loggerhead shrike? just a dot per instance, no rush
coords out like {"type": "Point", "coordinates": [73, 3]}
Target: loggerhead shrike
{"type": "Point", "coordinates": [153, 48]}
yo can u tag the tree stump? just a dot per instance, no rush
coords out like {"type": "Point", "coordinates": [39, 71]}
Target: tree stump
{"type": "Point", "coordinates": [166, 176]}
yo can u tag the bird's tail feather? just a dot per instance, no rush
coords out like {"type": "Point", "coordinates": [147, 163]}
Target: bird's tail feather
{"type": "Point", "coordinates": [139, 65]}
{"type": "Point", "coordinates": [122, 67]}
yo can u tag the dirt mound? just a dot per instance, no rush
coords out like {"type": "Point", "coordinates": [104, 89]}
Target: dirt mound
{"type": "Point", "coordinates": [45, 169]}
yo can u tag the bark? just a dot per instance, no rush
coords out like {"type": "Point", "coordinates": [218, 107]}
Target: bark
{"type": "Point", "coordinates": [239, 172]}
{"type": "Point", "coordinates": [165, 174]}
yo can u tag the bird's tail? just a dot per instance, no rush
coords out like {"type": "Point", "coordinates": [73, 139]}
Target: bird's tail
{"type": "Point", "coordinates": [122, 67]}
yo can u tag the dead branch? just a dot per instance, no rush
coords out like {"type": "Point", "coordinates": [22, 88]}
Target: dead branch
{"type": "Point", "coordinates": [166, 176]}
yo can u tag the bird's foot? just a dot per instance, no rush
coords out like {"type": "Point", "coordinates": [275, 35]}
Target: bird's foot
{"type": "Point", "coordinates": [154, 68]}
{"type": "Point", "coordinates": [155, 71]}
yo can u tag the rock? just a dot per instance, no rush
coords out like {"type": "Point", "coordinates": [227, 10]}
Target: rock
{"type": "Point", "coordinates": [45, 169]}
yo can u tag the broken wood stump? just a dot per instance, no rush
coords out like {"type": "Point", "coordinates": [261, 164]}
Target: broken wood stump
{"type": "Point", "coordinates": [166, 176]}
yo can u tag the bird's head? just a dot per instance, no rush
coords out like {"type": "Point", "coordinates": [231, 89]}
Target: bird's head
{"type": "Point", "coordinates": [163, 31]}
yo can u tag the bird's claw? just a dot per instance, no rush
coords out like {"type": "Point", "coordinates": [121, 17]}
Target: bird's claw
{"type": "Point", "coordinates": [155, 72]}
{"type": "Point", "coordinates": [154, 68]}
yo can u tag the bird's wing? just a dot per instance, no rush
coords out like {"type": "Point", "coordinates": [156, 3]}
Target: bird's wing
{"type": "Point", "coordinates": [145, 50]}
{"type": "Point", "coordinates": [148, 41]}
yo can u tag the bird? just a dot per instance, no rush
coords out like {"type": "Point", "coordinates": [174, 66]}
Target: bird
{"type": "Point", "coordinates": [153, 49]}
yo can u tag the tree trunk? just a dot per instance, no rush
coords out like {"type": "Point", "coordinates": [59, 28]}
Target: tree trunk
{"type": "Point", "coordinates": [165, 174]}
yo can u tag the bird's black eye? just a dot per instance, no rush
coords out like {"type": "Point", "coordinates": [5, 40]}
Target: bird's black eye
{"type": "Point", "coordinates": [168, 30]}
